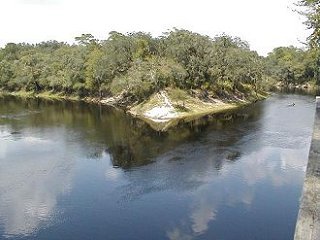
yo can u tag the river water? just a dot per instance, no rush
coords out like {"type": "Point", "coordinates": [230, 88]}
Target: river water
{"type": "Point", "coordinates": [79, 171]}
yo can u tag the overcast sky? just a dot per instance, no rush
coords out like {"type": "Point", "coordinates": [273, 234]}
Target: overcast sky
{"type": "Point", "coordinates": [265, 24]}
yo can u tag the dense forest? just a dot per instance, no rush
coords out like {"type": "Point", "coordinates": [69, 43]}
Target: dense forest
{"type": "Point", "coordinates": [135, 62]}
{"type": "Point", "coordinates": [139, 64]}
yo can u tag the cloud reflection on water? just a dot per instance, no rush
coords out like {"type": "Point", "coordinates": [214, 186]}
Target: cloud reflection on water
{"type": "Point", "coordinates": [237, 185]}
{"type": "Point", "coordinates": [31, 181]}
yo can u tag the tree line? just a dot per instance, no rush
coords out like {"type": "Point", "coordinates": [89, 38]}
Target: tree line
{"type": "Point", "coordinates": [138, 64]}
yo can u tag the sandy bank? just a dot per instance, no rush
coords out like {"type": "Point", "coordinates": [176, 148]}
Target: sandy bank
{"type": "Point", "coordinates": [162, 110]}
{"type": "Point", "coordinates": [168, 107]}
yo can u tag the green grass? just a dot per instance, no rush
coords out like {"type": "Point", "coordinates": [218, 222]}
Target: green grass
{"type": "Point", "coordinates": [177, 94]}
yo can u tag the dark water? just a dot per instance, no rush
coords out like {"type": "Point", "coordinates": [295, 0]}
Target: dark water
{"type": "Point", "coordinates": [77, 171]}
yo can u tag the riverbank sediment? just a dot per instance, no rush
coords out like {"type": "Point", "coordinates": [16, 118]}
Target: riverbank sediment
{"type": "Point", "coordinates": [164, 109]}
{"type": "Point", "coordinates": [167, 108]}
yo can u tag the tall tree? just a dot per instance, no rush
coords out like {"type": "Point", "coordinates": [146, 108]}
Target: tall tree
{"type": "Point", "coordinates": [313, 22]}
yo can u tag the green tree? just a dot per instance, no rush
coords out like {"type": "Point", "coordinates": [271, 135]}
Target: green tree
{"type": "Point", "coordinates": [193, 51]}
{"type": "Point", "coordinates": [312, 13]}
{"type": "Point", "coordinates": [287, 64]}
{"type": "Point", "coordinates": [86, 39]}
{"type": "Point", "coordinates": [139, 64]}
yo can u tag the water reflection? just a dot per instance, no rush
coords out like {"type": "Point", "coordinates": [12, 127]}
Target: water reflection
{"type": "Point", "coordinates": [33, 175]}
{"type": "Point", "coordinates": [238, 189]}
{"type": "Point", "coordinates": [279, 161]}
{"type": "Point", "coordinates": [67, 169]}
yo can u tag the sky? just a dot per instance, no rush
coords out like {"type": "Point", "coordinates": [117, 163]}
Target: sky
{"type": "Point", "coordinates": [265, 24]}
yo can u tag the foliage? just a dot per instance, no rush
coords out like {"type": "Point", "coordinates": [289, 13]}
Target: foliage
{"type": "Point", "coordinates": [291, 65]}
{"type": "Point", "coordinates": [139, 65]}
{"type": "Point", "coordinates": [312, 12]}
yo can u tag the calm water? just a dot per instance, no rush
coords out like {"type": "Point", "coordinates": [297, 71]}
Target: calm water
{"type": "Point", "coordinates": [78, 171]}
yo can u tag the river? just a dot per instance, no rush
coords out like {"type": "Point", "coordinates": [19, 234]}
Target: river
{"type": "Point", "coordinates": [80, 171]}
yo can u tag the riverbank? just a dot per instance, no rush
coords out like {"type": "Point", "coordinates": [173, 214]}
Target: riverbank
{"type": "Point", "coordinates": [167, 108]}
{"type": "Point", "coordinates": [42, 95]}
{"type": "Point", "coordinates": [310, 86]}
{"type": "Point", "coordinates": [164, 109]}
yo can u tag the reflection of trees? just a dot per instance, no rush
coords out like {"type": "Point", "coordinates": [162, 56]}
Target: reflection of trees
{"type": "Point", "coordinates": [130, 141]}
{"type": "Point", "coordinates": [216, 194]}
{"type": "Point", "coordinates": [176, 163]}
{"type": "Point", "coordinates": [139, 145]}
{"type": "Point", "coordinates": [187, 159]}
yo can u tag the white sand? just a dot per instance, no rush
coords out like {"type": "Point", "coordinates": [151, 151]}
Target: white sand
{"type": "Point", "coordinates": [162, 113]}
